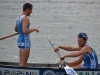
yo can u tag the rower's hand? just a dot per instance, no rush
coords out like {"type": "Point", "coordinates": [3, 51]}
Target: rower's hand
{"type": "Point", "coordinates": [62, 57]}
{"type": "Point", "coordinates": [60, 61]}
{"type": "Point", "coordinates": [36, 30]}
{"type": "Point", "coordinates": [63, 62]}
{"type": "Point", "coordinates": [56, 49]}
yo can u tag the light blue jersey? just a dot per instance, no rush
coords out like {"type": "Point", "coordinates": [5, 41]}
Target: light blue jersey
{"type": "Point", "coordinates": [90, 60]}
{"type": "Point", "coordinates": [23, 39]}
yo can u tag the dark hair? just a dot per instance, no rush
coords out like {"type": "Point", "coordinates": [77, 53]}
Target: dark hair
{"type": "Point", "coordinates": [83, 35]}
{"type": "Point", "coordinates": [27, 6]}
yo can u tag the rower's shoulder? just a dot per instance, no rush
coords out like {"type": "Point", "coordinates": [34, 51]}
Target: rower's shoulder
{"type": "Point", "coordinates": [86, 47]}
{"type": "Point", "coordinates": [25, 18]}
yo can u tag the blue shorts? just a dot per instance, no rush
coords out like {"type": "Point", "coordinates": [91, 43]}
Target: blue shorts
{"type": "Point", "coordinates": [22, 45]}
{"type": "Point", "coordinates": [24, 42]}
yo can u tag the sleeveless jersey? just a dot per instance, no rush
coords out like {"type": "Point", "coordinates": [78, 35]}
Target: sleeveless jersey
{"type": "Point", "coordinates": [90, 60]}
{"type": "Point", "coordinates": [23, 39]}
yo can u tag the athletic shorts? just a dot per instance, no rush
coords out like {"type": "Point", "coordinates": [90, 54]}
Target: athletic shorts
{"type": "Point", "coordinates": [23, 45]}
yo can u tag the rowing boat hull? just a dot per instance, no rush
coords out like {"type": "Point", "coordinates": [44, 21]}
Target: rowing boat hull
{"type": "Point", "coordinates": [11, 70]}
{"type": "Point", "coordinates": [51, 70]}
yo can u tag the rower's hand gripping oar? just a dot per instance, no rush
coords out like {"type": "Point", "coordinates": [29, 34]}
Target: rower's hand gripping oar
{"type": "Point", "coordinates": [69, 70]}
{"type": "Point", "coordinates": [64, 63]}
{"type": "Point", "coordinates": [8, 36]}
{"type": "Point", "coordinates": [53, 46]}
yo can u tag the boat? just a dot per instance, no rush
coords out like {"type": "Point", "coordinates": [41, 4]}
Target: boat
{"type": "Point", "coordinates": [11, 68]}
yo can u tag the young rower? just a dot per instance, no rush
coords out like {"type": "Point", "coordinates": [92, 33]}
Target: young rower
{"type": "Point", "coordinates": [22, 27]}
{"type": "Point", "coordinates": [85, 52]}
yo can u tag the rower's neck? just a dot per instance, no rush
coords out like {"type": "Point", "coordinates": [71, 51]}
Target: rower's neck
{"type": "Point", "coordinates": [24, 13]}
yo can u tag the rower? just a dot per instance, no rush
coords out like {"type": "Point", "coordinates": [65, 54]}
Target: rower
{"type": "Point", "coordinates": [84, 51]}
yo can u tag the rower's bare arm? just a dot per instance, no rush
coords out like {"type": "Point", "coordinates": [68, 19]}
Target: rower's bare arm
{"type": "Point", "coordinates": [76, 54]}
{"type": "Point", "coordinates": [16, 28]}
{"type": "Point", "coordinates": [69, 48]}
{"type": "Point", "coordinates": [25, 22]}
{"type": "Point", "coordinates": [76, 62]}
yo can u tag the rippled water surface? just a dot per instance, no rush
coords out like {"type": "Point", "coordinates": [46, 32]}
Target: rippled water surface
{"type": "Point", "coordinates": [61, 20]}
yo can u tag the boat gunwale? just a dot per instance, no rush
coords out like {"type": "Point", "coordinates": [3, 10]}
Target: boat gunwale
{"type": "Point", "coordinates": [31, 66]}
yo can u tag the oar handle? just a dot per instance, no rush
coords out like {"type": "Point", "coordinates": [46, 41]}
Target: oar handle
{"type": "Point", "coordinates": [8, 36]}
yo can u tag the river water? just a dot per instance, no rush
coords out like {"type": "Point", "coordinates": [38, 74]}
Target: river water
{"type": "Point", "coordinates": [61, 20]}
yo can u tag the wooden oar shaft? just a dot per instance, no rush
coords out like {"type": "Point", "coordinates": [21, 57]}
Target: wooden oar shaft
{"type": "Point", "coordinates": [8, 36]}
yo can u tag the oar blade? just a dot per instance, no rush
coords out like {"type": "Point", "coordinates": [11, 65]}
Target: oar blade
{"type": "Point", "coordinates": [70, 71]}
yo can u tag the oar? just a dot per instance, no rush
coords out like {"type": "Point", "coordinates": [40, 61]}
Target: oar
{"type": "Point", "coordinates": [53, 46]}
{"type": "Point", "coordinates": [8, 36]}
{"type": "Point", "coordinates": [69, 70]}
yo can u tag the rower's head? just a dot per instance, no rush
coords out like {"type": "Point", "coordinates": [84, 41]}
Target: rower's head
{"type": "Point", "coordinates": [82, 39]}
{"type": "Point", "coordinates": [27, 8]}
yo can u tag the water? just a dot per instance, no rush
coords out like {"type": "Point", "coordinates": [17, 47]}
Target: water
{"type": "Point", "coordinates": [61, 20]}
